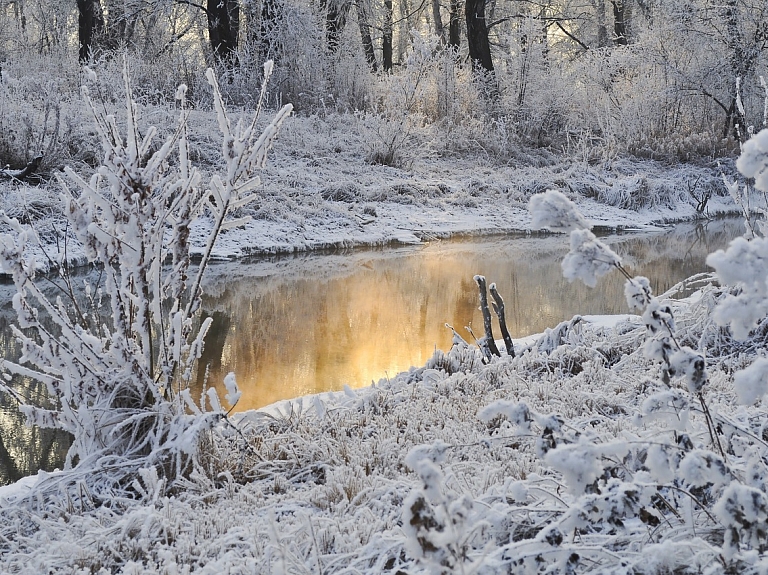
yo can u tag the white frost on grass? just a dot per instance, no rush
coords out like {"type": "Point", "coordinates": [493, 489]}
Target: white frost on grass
{"type": "Point", "coordinates": [308, 489]}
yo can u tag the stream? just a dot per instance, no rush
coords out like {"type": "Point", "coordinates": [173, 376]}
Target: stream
{"type": "Point", "coordinates": [299, 324]}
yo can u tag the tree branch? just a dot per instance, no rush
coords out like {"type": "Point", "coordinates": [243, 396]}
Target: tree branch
{"type": "Point", "coordinates": [190, 3]}
{"type": "Point", "coordinates": [571, 36]}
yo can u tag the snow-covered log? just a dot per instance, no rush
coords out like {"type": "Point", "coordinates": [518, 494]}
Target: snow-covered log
{"type": "Point", "coordinates": [20, 175]}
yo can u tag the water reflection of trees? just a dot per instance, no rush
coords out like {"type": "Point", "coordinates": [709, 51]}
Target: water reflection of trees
{"type": "Point", "coordinates": [24, 449]}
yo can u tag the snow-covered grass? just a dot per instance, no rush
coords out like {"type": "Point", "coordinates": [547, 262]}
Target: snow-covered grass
{"type": "Point", "coordinates": [324, 484]}
{"type": "Point", "coordinates": [320, 192]}
{"type": "Point", "coordinates": [321, 189]}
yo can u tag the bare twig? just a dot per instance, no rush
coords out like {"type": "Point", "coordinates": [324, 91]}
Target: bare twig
{"type": "Point", "coordinates": [480, 280]}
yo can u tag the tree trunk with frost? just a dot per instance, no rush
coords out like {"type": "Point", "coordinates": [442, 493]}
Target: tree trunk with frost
{"type": "Point", "coordinates": [364, 22]}
{"type": "Point", "coordinates": [223, 24]}
{"type": "Point", "coordinates": [477, 35]}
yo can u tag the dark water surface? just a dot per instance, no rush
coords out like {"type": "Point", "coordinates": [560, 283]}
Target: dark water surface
{"type": "Point", "coordinates": [293, 325]}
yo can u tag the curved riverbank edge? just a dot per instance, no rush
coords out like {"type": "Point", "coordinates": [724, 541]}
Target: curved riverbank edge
{"type": "Point", "coordinates": [396, 225]}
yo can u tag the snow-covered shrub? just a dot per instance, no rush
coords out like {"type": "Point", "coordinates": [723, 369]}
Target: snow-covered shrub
{"type": "Point", "coordinates": [686, 474]}
{"type": "Point", "coordinates": [119, 382]}
{"type": "Point", "coordinates": [432, 93]}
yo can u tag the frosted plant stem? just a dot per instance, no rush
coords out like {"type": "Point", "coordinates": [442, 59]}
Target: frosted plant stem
{"type": "Point", "coordinates": [498, 307]}
{"type": "Point", "coordinates": [490, 342]}
{"type": "Point", "coordinates": [696, 501]}
{"type": "Point", "coordinates": [711, 425]}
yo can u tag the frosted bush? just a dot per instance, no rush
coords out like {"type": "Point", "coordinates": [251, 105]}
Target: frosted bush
{"type": "Point", "coordinates": [120, 383]}
{"type": "Point", "coordinates": [579, 464]}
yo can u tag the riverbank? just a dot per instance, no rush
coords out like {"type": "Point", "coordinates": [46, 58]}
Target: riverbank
{"type": "Point", "coordinates": [344, 202]}
{"type": "Point", "coordinates": [318, 191]}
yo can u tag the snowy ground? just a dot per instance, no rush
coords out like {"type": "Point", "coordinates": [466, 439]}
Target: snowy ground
{"type": "Point", "coordinates": [325, 484]}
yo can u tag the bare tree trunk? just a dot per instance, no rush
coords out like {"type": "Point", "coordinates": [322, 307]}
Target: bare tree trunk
{"type": "Point", "coordinates": [365, 35]}
{"type": "Point", "coordinates": [265, 34]}
{"type": "Point", "coordinates": [602, 28]}
{"type": "Point", "coordinates": [89, 22]}
{"type": "Point", "coordinates": [18, 13]}
{"type": "Point", "coordinates": [121, 23]}
{"type": "Point", "coordinates": [619, 23]}
{"type": "Point", "coordinates": [222, 31]}
{"type": "Point", "coordinates": [477, 35]}
{"type": "Point", "coordinates": [386, 38]}
{"type": "Point", "coordinates": [742, 62]}
{"type": "Point", "coordinates": [335, 20]}
{"type": "Point", "coordinates": [454, 26]}
{"type": "Point", "coordinates": [439, 28]}
{"type": "Point", "coordinates": [404, 28]}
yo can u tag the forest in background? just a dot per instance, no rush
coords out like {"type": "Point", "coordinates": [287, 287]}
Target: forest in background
{"type": "Point", "coordinates": [594, 79]}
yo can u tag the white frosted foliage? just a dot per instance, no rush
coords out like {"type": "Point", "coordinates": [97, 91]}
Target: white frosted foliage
{"type": "Point", "coordinates": [699, 468]}
{"type": "Point", "coordinates": [743, 510]}
{"type": "Point", "coordinates": [751, 383]}
{"type": "Point", "coordinates": [637, 292]}
{"type": "Point", "coordinates": [691, 366]}
{"type": "Point", "coordinates": [753, 161]}
{"type": "Point", "coordinates": [552, 210]}
{"type": "Point", "coordinates": [233, 391]}
{"type": "Point", "coordinates": [588, 259]}
{"type": "Point", "coordinates": [582, 463]}
{"type": "Point", "coordinates": [743, 264]}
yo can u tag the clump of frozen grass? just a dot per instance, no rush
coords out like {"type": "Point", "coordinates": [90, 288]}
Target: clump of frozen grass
{"type": "Point", "coordinates": [121, 384]}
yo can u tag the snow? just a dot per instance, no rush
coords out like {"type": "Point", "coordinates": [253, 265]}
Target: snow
{"type": "Point", "coordinates": [752, 383]}
{"type": "Point", "coordinates": [579, 454]}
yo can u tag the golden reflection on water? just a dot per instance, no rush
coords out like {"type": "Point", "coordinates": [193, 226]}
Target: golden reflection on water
{"type": "Point", "coordinates": [358, 317]}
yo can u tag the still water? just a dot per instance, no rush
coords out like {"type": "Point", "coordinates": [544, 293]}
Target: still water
{"type": "Point", "coordinates": [293, 325]}
{"type": "Point", "coordinates": [310, 323]}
